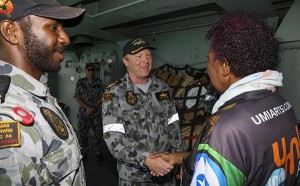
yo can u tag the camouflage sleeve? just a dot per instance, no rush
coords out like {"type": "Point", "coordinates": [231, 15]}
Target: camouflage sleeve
{"type": "Point", "coordinates": [78, 92]}
{"type": "Point", "coordinates": [101, 88]}
{"type": "Point", "coordinates": [174, 132]}
{"type": "Point", "coordinates": [120, 145]}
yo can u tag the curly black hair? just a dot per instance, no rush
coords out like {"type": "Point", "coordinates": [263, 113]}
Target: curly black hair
{"type": "Point", "coordinates": [246, 42]}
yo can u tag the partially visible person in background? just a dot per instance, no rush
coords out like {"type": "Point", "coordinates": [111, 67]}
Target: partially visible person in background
{"type": "Point", "coordinates": [88, 94]}
{"type": "Point", "coordinates": [252, 137]}
{"type": "Point", "coordinates": [140, 118]}
{"type": "Point", "coordinates": [38, 145]}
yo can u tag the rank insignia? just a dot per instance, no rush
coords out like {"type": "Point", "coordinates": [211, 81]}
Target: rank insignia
{"type": "Point", "coordinates": [107, 96]}
{"type": "Point", "coordinates": [131, 98]}
{"type": "Point", "coordinates": [113, 84]}
{"type": "Point", "coordinates": [160, 96]}
{"type": "Point", "coordinates": [10, 134]}
{"type": "Point", "coordinates": [55, 122]}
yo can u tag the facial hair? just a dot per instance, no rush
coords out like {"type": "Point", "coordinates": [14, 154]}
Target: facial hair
{"type": "Point", "coordinates": [39, 54]}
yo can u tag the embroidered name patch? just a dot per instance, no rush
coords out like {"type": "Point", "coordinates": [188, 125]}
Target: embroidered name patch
{"type": "Point", "coordinates": [10, 134]}
{"type": "Point", "coordinates": [160, 96]}
{"type": "Point", "coordinates": [55, 122]}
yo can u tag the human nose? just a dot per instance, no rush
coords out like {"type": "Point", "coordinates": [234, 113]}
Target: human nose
{"type": "Point", "coordinates": [63, 38]}
{"type": "Point", "coordinates": [144, 59]}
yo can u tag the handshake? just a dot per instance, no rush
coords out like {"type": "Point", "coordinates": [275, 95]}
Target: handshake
{"type": "Point", "coordinates": [162, 163]}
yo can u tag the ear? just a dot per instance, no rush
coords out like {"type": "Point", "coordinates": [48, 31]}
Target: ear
{"type": "Point", "coordinates": [225, 68]}
{"type": "Point", "coordinates": [125, 61]}
{"type": "Point", "coordinates": [8, 31]}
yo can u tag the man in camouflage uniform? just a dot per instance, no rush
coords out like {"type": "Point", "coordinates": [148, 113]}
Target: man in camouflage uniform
{"type": "Point", "coordinates": [139, 118]}
{"type": "Point", "coordinates": [38, 145]}
{"type": "Point", "coordinates": [88, 93]}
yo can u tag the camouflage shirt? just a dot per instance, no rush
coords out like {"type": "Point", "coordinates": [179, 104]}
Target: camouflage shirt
{"type": "Point", "coordinates": [136, 124]}
{"type": "Point", "coordinates": [42, 152]}
{"type": "Point", "coordinates": [88, 91]}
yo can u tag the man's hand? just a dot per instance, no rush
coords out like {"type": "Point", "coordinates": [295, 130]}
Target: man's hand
{"type": "Point", "coordinates": [165, 156]}
{"type": "Point", "coordinates": [168, 157]}
{"type": "Point", "coordinates": [89, 110]}
{"type": "Point", "coordinates": [174, 158]}
{"type": "Point", "coordinates": [158, 166]}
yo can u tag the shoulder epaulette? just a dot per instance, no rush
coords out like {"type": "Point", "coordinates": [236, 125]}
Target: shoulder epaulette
{"type": "Point", "coordinates": [4, 85]}
{"type": "Point", "coordinates": [113, 84]}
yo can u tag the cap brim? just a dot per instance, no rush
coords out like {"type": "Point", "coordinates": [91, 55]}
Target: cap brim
{"type": "Point", "coordinates": [71, 16]}
{"type": "Point", "coordinates": [143, 48]}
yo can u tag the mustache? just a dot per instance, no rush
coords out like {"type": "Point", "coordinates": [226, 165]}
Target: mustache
{"type": "Point", "coordinates": [59, 49]}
